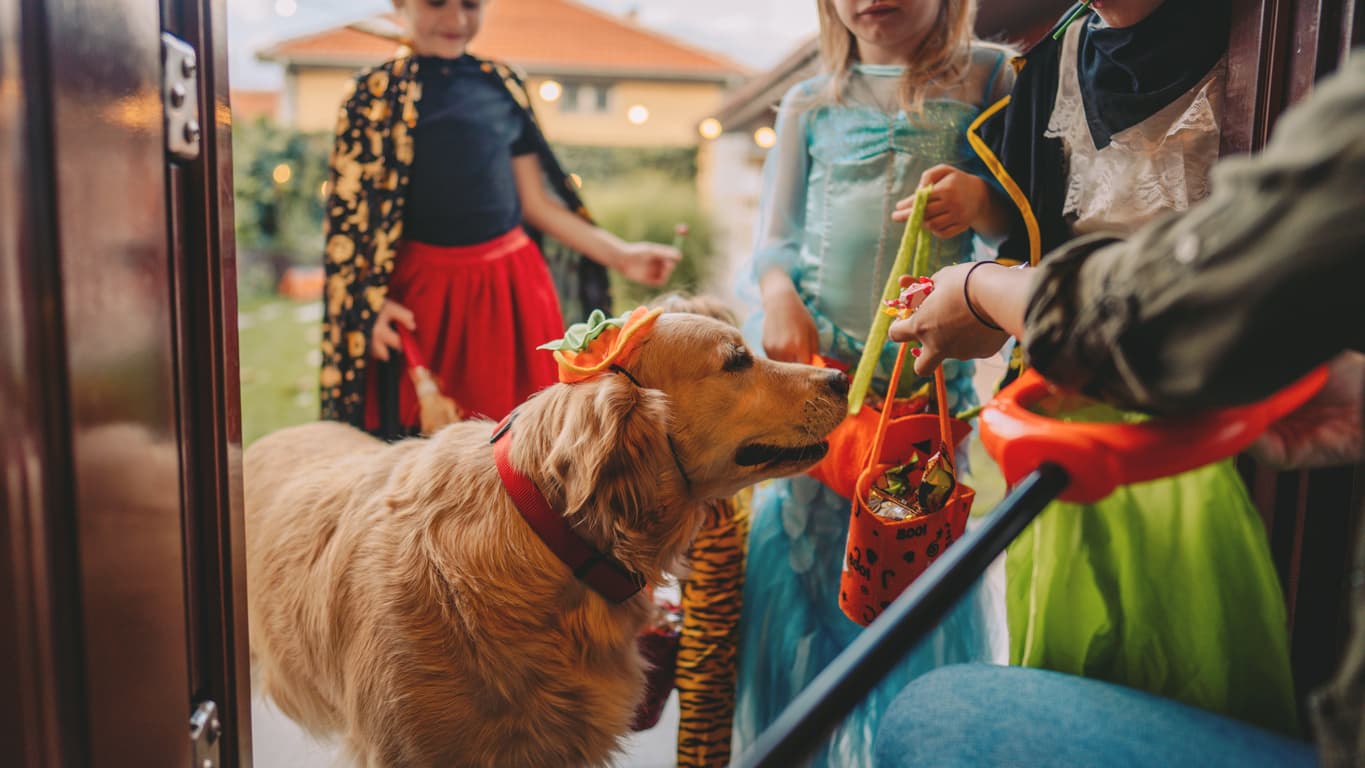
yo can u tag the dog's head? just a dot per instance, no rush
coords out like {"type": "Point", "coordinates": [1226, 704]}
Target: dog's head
{"type": "Point", "coordinates": [695, 416]}
{"type": "Point", "coordinates": [735, 417]}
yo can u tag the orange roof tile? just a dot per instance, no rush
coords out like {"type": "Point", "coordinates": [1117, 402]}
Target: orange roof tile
{"type": "Point", "coordinates": [550, 36]}
{"type": "Point", "coordinates": [341, 45]}
{"type": "Point", "coordinates": [248, 105]}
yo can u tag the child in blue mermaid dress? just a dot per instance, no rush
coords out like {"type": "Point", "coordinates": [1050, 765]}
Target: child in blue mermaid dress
{"type": "Point", "coordinates": [850, 145]}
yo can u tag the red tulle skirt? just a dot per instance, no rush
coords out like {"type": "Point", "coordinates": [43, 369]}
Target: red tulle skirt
{"type": "Point", "coordinates": [481, 311]}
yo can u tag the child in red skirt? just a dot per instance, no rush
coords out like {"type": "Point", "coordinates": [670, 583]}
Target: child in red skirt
{"type": "Point", "coordinates": [438, 161]}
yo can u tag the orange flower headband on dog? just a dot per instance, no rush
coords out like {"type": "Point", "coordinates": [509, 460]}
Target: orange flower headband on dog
{"type": "Point", "coordinates": [594, 346]}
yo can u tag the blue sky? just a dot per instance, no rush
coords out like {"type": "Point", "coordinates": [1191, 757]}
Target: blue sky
{"type": "Point", "coordinates": [754, 32]}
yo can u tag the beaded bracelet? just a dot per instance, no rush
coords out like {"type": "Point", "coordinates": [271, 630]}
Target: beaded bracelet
{"type": "Point", "coordinates": [966, 297]}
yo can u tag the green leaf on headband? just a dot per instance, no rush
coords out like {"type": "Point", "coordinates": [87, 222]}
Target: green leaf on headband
{"type": "Point", "coordinates": [579, 335]}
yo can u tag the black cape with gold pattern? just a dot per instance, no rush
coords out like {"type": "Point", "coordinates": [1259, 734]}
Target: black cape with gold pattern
{"type": "Point", "coordinates": [370, 168]}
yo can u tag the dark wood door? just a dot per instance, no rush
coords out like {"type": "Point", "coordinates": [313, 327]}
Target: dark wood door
{"type": "Point", "coordinates": [121, 599]}
{"type": "Point", "coordinates": [1278, 50]}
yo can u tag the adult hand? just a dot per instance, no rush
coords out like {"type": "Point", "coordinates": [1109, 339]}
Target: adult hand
{"type": "Point", "coordinates": [1326, 430]}
{"type": "Point", "coordinates": [944, 326]}
{"type": "Point", "coordinates": [384, 337]}
{"type": "Point", "coordinates": [955, 204]}
{"type": "Point", "coordinates": [648, 263]}
{"type": "Point", "coordinates": [789, 332]}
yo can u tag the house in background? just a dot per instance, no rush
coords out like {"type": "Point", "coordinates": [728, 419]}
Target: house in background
{"type": "Point", "coordinates": [249, 105]}
{"type": "Point", "coordinates": [739, 133]}
{"type": "Point", "coordinates": [595, 79]}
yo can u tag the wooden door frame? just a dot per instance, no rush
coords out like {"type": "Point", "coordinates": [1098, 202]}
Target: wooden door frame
{"type": "Point", "coordinates": [108, 634]}
{"type": "Point", "coordinates": [209, 392]}
{"type": "Point", "coordinates": [1278, 50]}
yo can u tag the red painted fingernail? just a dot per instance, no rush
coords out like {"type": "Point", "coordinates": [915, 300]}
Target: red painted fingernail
{"type": "Point", "coordinates": [916, 351]}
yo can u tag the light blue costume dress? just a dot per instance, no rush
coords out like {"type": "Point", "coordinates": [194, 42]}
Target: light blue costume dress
{"type": "Point", "coordinates": [831, 183]}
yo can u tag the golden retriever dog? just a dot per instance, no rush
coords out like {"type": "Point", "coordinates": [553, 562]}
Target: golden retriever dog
{"type": "Point", "coordinates": [398, 598]}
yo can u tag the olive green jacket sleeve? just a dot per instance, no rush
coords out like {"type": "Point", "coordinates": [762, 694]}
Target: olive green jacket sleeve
{"type": "Point", "coordinates": [1233, 299]}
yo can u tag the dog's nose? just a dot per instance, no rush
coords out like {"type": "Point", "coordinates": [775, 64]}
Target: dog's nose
{"type": "Point", "coordinates": [838, 382]}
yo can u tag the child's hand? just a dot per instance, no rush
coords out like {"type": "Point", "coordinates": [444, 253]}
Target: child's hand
{"type": "Point", "coordinates": [789, 333]}
{"type": "Point", "coordinates": [958, 202]}
{"type": "Point", "coordinates": [384, 337]}
{"type": "Point", "coordinates": [1326, 430]}
{"type": "Point", "coordinates": [648, 263]}
{"type": "Point", "coordinates": [945, 327]}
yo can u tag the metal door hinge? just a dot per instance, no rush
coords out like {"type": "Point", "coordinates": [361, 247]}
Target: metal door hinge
{"type": "Point", "coordinates": [206, 731]}
{"type": "Point", "coordinates": [180, 97]}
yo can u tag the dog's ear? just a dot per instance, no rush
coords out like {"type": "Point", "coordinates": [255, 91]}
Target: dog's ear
{"type": "Point", "coordinates": [603, 453]}
{"type": "Point", "coordinates": [611, 457]}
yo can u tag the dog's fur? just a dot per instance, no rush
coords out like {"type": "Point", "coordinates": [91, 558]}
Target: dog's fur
{"type": "Point", "coordinates": [397, 597]}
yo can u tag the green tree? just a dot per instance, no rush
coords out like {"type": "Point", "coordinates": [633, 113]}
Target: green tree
{"type": "Point", "coordinates": [648, 205]}
{"type": "Point", "coordinates": [278, 176]}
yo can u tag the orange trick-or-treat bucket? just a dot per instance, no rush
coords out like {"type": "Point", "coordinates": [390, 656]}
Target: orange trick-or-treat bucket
{"type": "Point", "coordinates": [901, 522]}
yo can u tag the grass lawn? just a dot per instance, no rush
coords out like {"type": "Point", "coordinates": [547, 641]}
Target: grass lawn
{"type": "Point", "coordinates": [278, 342]}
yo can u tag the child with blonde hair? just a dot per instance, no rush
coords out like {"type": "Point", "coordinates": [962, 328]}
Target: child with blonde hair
{"type": "Point", "coordinates": [904, 79]}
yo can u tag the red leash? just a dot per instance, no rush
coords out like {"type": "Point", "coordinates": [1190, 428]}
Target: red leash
{"type": "Point", "coordinates": [410, 350]}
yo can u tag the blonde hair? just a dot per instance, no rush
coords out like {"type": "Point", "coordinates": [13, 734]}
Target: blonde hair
{"type": "Point", "coordinates": [944, 56]}
{"type": "Point", "coordinates": [708, 306]}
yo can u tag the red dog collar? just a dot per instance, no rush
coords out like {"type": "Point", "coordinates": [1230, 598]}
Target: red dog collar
{"type": "Point", "coordinates": [600, 571]}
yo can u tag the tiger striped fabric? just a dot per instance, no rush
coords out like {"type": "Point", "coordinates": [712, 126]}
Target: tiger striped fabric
{"type": "Point", "coordinates": [705, 675]}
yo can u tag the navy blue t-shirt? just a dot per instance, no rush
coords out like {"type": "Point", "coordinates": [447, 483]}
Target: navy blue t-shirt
{"type": "Point", "coordinates": [468, 130]}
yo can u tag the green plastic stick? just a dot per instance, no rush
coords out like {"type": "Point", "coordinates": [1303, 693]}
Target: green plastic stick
{"type": "Point", "coordinates": [923, 246]}
{"type": "Point", "coordinates": [1085, 6]}
{"type": "Point", "coordinates": [914, 243]}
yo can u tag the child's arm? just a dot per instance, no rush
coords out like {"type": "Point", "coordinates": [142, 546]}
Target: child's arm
{"type": "Point", "coordinates": [960, 201]}
{"type": "Point", "coordinates": [648, 263]}
{"type": "Point", "coordinates": [789, 332]}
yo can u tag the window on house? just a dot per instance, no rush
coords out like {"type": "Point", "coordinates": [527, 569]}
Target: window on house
{"type": "Point", "coordinates": [569, 101]}
{"type": "Point", "coordinates": [586, 97]}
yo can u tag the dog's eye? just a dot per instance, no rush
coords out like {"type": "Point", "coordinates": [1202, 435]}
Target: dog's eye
{"type": "Point", "coordinates": [737, 359]}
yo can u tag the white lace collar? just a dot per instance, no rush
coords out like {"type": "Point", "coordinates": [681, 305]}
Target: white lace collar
{"type": "Point", "coordinates": [1161, 164]}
